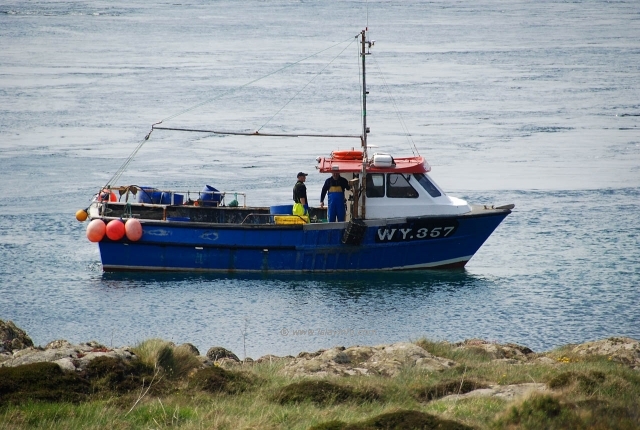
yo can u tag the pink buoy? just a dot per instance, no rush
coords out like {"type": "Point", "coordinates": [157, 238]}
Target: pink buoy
{"type": "Point", "coordinates": [96, 230]}
{"type": "Point", "coordinates": [115, 229]}
{"type": "Point", "coordinates": [133, 229]}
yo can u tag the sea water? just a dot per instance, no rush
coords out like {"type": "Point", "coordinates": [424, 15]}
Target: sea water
{"type": "Point", "coordinates": [531, 103]}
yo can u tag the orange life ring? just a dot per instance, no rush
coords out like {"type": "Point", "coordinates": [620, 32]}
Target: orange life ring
{"type": "Point", "coordinates": [106, 195]}
{"type": "Point", "coordinates": [347, 155]}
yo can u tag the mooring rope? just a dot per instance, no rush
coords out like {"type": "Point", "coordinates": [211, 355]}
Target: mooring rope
{"type": "Point", "coordinates": [123, 167]}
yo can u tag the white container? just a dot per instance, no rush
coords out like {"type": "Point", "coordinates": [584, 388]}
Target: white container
{"type": "Point", "coordinates": [382, 160]}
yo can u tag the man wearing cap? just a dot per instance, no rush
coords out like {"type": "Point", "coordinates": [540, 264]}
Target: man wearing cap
{"type": "Point", "coordinates": [300, 192]}
{"type": "Point", "coordinates": [334, 187]}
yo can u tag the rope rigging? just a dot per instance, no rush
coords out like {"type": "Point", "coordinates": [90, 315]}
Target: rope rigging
{"type": "Point", "coordinates": [412, 144]}
{"type": "Point", "coordinates": [170, 117]}
{"type": "Point", "coordinates": [306, 85]}
{"type": "Point", "coordinates": [130, 158]}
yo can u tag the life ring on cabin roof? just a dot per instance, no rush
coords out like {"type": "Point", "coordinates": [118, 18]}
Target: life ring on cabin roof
{"type": "Point", "coordinates": [347, 155]}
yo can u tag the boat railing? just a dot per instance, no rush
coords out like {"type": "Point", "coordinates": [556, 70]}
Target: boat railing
{"type": "Point", "coordinates": [268, 218]}
{"type": "Point", "coordinates": [151, 196]}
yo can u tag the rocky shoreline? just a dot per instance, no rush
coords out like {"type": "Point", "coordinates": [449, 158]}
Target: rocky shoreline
{"type": "Point", "coordinates": [16, 349]}
{"type": "Point", "coordinates": [474, 384]}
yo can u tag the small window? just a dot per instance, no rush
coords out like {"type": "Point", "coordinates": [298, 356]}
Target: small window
{"type": "Point", "coordinates": [399, 187]}
{"type": "Point", "coordinates": [375, 185]}
{"type": "Point", "coordinates": [428, 185]}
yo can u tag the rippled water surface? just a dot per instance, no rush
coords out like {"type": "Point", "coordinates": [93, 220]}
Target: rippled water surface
{"type": "Point", "coordinates": [532, 103]}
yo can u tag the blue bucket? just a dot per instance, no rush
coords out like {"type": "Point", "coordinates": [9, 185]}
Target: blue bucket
{"type": "Point", "coordinates": [148, 195]}
{"type": "Point", "coordinates": [165, 198]}
{"type": "Point", "coordinates": [208, 196]}
{"type": "Point", "coordinates": [281, 210]}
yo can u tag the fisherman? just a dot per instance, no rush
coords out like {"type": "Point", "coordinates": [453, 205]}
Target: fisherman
{"type": "Point", "coordinates": [335, 186]}
{"type": "Point", "coordinates": [300, 194]}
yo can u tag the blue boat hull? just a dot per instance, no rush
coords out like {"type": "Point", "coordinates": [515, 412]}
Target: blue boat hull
{"type": "Point", "coordinates": [400, 244]}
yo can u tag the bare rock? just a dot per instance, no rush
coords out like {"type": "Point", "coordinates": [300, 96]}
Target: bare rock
{"type": "Point", "coordinates": [58, 344]}
{"type": "Point", "coordinates": [620, 349]}
{"type": "Point", "coordinates": [13, 338]}
{"type": "Point", "coordinates": [227, 363]}
{"type": "Point", "coordinates": [217, 353]}
{"type": "Point", "coordinates": [83, 359]}
{"type": "Point", "coordinates": [498, 351]}
{"type": "Point", "coordinates": [66, 363]}
{"type": "Point", "coordinates": [204, 361]}
{"type": "Point", "coordinates": [67, 356]}
{"type": "Point", "coordinates": [335, 355]}
{"type": "Point", "coordinates": [385, 360]}
{"type": "Point", "coordinates": [189, 348]}
{"type": "Point", "coordinates": [274, 358]}
{"type": "Point", "coordinates": [506, 392]}
{"type": "Point", "coordinates": [359, 354]}
{"type": "Point", "coordinates": [390, 359]}
{"type": "Point", "coordinates": [544, 360]}
{"type": "Point", "coordinates": [311, 354]}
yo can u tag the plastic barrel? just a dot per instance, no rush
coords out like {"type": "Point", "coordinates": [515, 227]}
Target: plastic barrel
{"type": "Point", "coordinates": [148, 195]}
{"type": "Point", "coordinates": [165, 198]}
{"type": "Point", "coordinates": [208, 196]}
{"type": "Point", "coordinates": [281, 210]}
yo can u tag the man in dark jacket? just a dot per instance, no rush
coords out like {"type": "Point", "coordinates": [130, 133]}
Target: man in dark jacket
{"type": "Point", "coordinates": [300, 192]}
{"type": "Point", "coordinates": [334, 187]}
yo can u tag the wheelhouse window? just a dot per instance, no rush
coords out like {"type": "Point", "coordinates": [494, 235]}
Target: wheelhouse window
{"type": "Point", "coordinates": [375, 185]}
{"type": "Point", "coordinates": [399, 187]}
{"type": "Point", "coordinates": [427, 185]}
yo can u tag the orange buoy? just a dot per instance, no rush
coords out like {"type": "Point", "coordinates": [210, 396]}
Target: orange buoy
{"type": "Point", "coordinates": [133, 229]}
{"type": "Point", "coordinates": [81, 215]}
{"type": "Point", "coordinates": [347, 155]}
{"type": "Point", "coordinates": [96, 230]}
{"type": "Point", "coordinates": [115, 229]}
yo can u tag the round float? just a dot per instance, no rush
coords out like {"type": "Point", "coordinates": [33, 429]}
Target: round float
{"type": "Point", "coordinates": [133, 229]}
{"type": "Point", "coordinates": [96, 230]}
{"type": "Point", "coordinates": [115, 229]}
{"type": "Point", "coordinates": [81, 215]}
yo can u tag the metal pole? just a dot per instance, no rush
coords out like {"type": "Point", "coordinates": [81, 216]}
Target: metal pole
{"type": "Point", "coordinates": [363, 180]}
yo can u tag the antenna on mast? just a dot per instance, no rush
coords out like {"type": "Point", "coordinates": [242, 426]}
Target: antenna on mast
{"type": "Point", "coordinates": [367, 3]}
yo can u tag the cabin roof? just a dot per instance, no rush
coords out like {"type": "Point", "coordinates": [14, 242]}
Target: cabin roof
{"type": "Point", "coordinates": [402, 165]}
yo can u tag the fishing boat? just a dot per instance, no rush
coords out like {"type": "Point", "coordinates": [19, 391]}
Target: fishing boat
{"type": "Point", "coordinates": [396, 218]}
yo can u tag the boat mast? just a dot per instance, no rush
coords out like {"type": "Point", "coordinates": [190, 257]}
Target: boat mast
{"type": "Point", "coordinates": [364, 51]}
{"type": "Point", "coordinates": [363, 54]}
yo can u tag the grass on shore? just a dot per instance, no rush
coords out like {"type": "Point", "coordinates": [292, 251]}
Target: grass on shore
{"type": "Point", "coordinates": [584, 393]}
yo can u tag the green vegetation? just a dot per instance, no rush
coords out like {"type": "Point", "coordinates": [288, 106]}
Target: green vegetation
{"type": "Point", "coordinates": [322, 392]}
{"type": "Point", "coordinates": [166, 388]}
{"type": "Point", "coordinates": [218, 380]}
{"type": "Point", "coordinates": [177, 362]}
{"type": "Point", "coordinates": [40, 381]}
